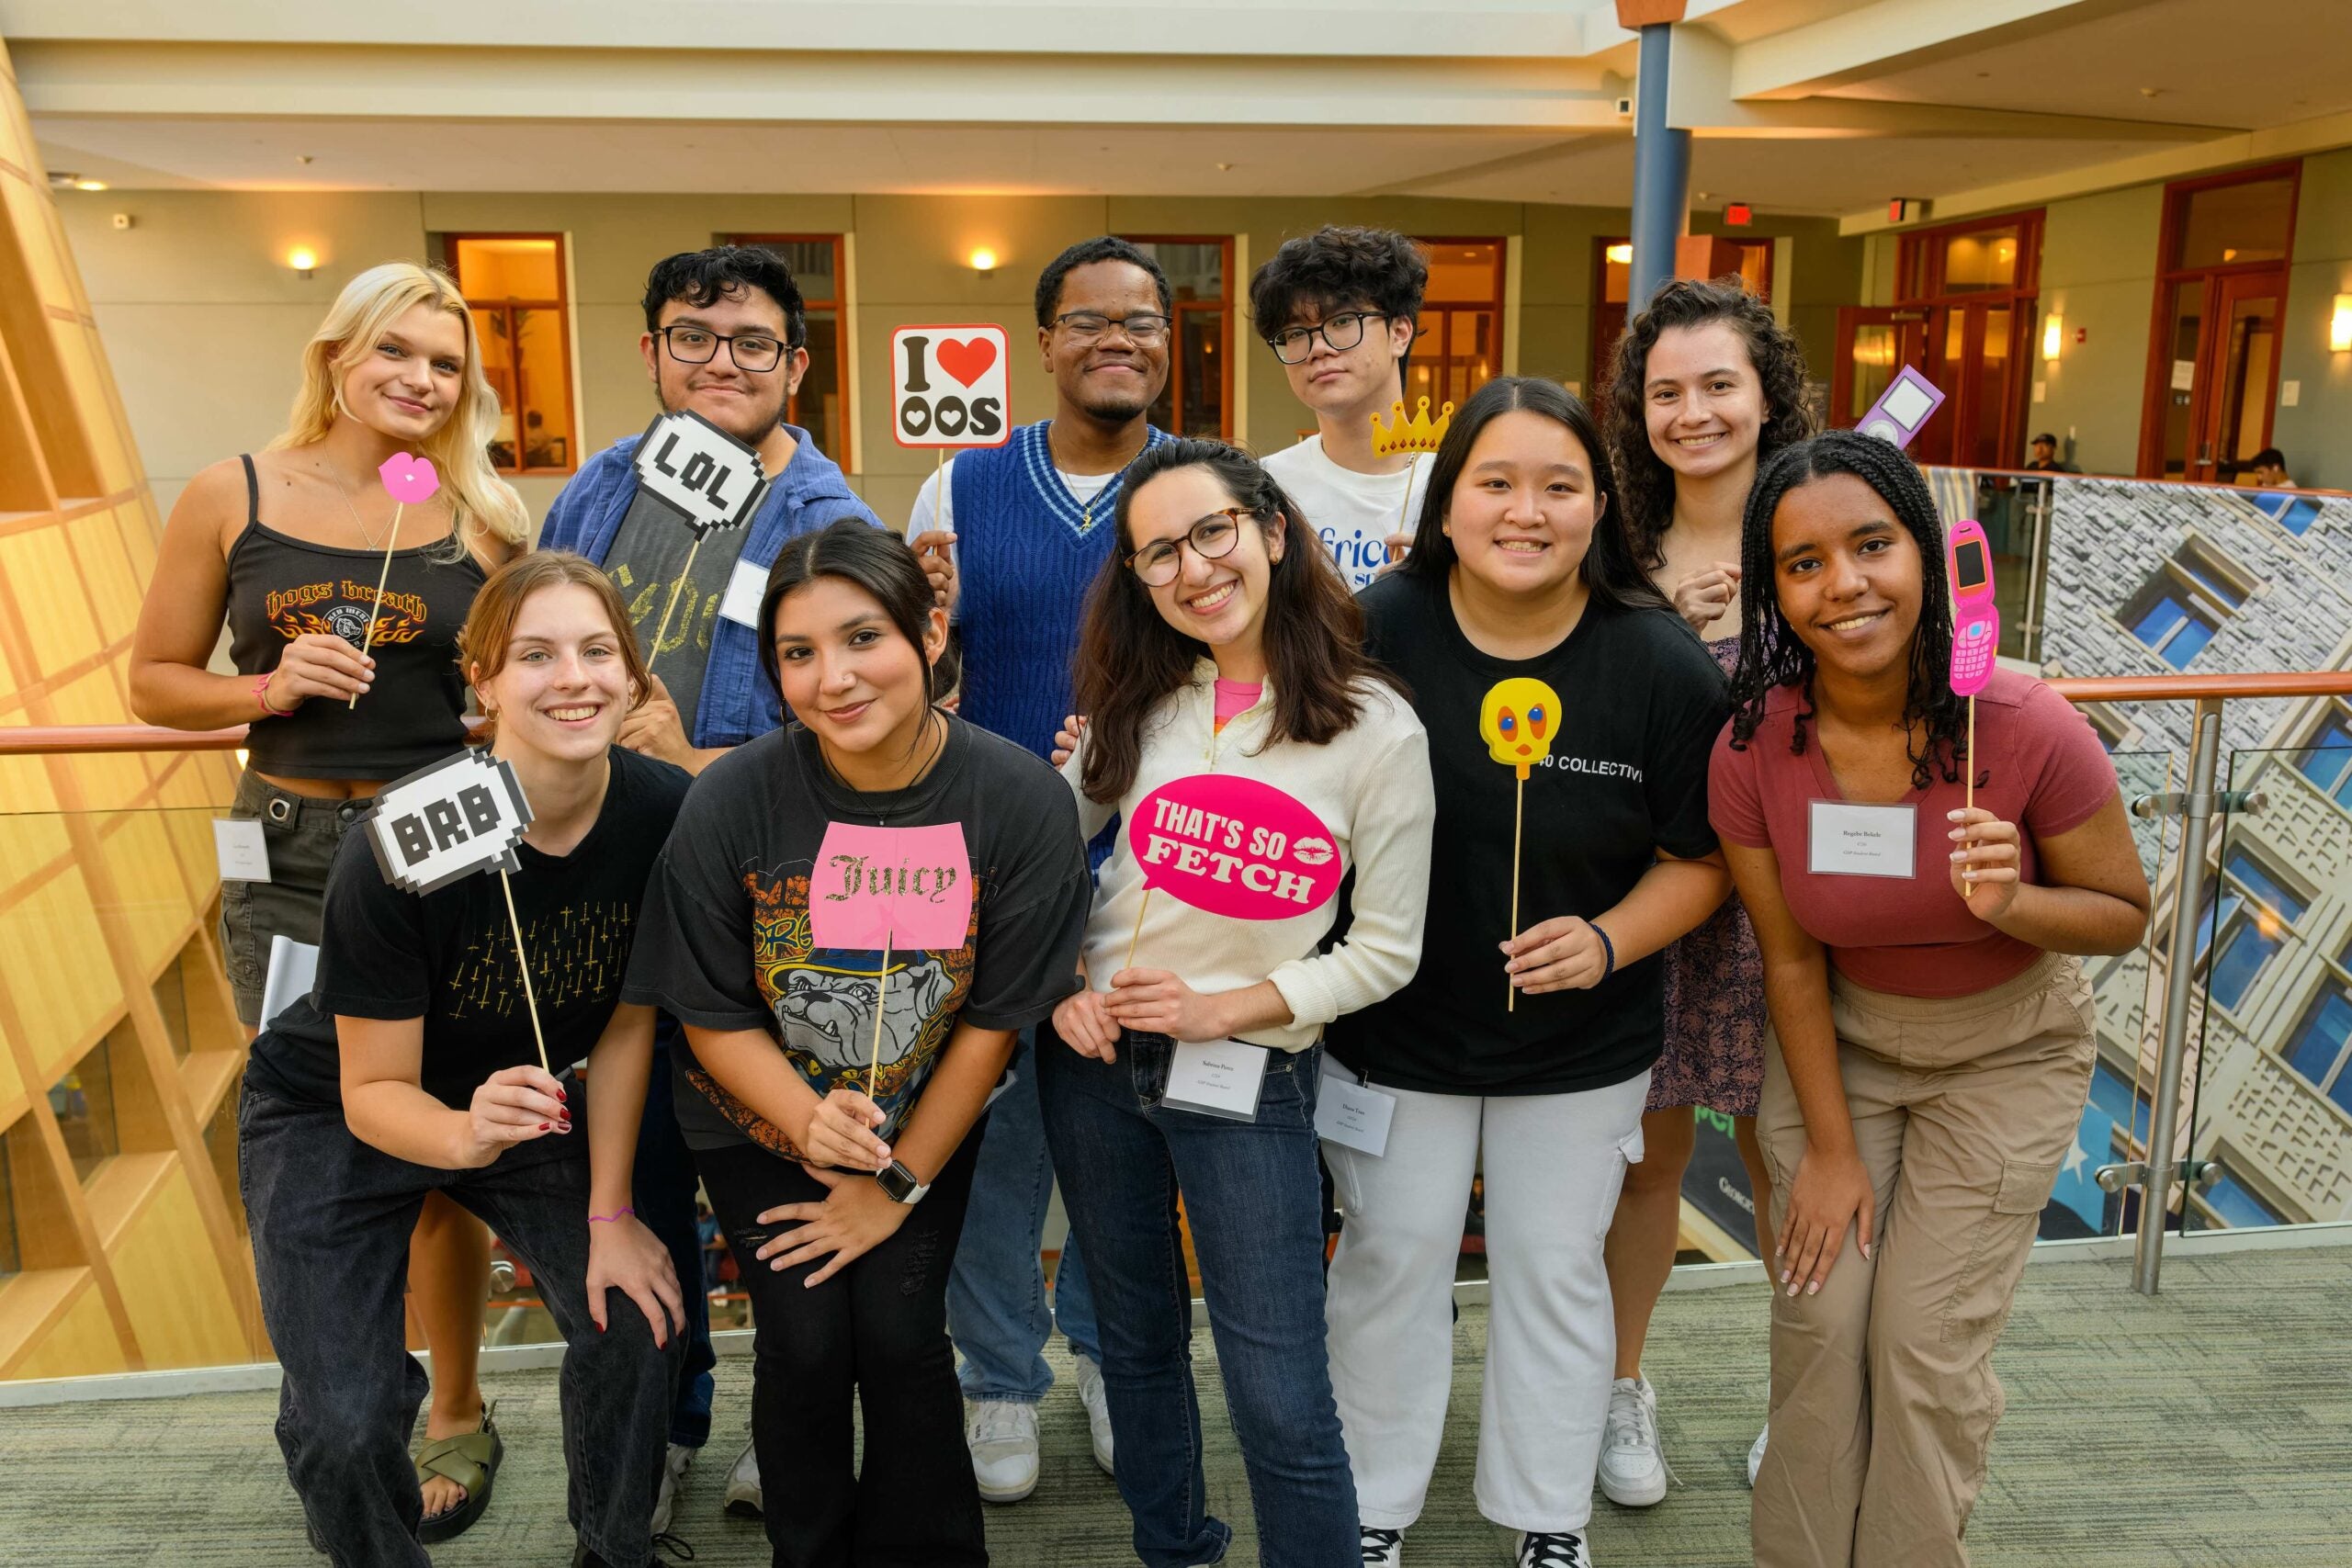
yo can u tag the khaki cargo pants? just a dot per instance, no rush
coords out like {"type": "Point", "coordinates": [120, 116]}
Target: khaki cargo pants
{"type": "Point", "coordinates": [1884, 1398]}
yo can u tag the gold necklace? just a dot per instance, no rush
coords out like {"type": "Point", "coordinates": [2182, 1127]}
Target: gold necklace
{"type": "Point", "coordinates": [344, 491]}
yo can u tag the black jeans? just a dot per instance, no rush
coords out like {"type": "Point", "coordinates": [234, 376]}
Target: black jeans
{"type": "Point", "coordinates": [876, 1331]}
{"type": "Point", "coordinates": [331, 1218]}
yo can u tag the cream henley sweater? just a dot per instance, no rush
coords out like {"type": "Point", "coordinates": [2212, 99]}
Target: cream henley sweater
{"type": "Point", "coordinates": [1370, 787]}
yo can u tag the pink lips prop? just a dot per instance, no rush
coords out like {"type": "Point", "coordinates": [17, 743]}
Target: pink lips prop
{"type": "Point", "coordinates": [409, 481]}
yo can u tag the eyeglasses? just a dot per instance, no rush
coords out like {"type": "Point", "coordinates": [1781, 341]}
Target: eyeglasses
{"type": "Point", "coordinates": [1212, 538]}
{"type": "Point", "coordinates": [697, 345]}
{"type": "Point", "coordinates": [1343, 332]}
{"type": "Point", "coordinates": [1089, 326]}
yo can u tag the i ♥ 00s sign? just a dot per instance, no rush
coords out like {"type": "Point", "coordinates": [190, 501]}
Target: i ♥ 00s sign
{"type": "Point", "coordinates": [1234, 846]}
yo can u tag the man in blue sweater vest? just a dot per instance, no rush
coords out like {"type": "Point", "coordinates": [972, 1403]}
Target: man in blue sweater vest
{"type": "Point", "coordinates": [724, 335]}
{"type": "Point", "coordinates": [1032, 522]}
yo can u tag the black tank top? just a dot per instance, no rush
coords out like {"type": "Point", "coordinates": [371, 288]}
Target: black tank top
{"type": "Point", "coordinates": [281, 587]}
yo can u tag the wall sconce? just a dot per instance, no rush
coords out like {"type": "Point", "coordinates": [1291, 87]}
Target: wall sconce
{"type": "Point", "coordinates": [2053, 332]}
{"type": "Point", "coordinates": [2339, 326]}
{"type": "Point", "coordinates": [303, 260]}
{"type": "Point", "coordinates": [983, 261]}
{"type": "Point", "coordinates": [1622, 255]}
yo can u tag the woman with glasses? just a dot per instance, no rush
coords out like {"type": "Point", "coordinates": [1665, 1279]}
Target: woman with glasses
{"type": "Point", "coordinates": [1220, 642]}
{"type": "Point", "coordinates": [285, 545]}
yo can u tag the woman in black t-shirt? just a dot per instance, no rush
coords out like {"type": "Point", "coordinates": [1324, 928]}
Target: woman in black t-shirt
{"type": "Point", "coordinates": [411, 1069]}
{"type": "Point", "coordinates": [1541, 661]}
{"type": "Point", "coordinates": [846, 1208]}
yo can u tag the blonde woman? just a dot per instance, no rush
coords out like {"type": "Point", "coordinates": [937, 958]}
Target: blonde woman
{"type": "Point", "coordinates": [284, 546]}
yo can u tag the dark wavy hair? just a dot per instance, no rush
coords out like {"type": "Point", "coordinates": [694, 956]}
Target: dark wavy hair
{"type": "Point", "coordinates": [1772, 349]}
{"type": "Point", "coordinates": [874, 560]}
{"type": "Point", "coordinates": [1770, 653]}
{"type": "Point", "coordinates": [1612, 574]}
{"type": "Point", "coordinates": [1086, 253]}
{"type": "Point", "coordinates": [702, 277]}
{"type": "Point", "coordinates": [1338, 268]}
{"type": "Point", "coordinates": [1130, 659]}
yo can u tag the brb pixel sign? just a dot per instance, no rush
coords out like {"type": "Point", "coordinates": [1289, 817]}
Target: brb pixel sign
{"type": "Point", "coordinates": [1234, 846]}
{"type": "Point", "coordinates": [462, 815]}
{"type": "Point", "coordinates": [949, 387]}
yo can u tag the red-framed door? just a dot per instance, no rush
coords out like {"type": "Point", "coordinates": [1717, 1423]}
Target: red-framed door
{"type": "Point", "coordinates": [1874, 341]}
{"type": "Point", "coordinates": [2219, 395]}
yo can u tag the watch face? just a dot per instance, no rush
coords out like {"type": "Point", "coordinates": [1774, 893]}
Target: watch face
{"type": "Point", "coordinates": [898, 1182]}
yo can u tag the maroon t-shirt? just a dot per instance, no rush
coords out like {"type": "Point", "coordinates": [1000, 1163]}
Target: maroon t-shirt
{"type": "Point", "coordinates": [2039, 764]}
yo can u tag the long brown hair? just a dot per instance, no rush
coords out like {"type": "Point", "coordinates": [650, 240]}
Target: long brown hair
{"type": "Point", "coordinates": [1130, 659]}
{"type": "Point", "coordinates": [498, 604]}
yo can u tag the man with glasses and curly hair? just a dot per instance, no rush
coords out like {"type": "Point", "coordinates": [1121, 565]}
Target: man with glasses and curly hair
{"type": "Point", "coordinates": [1337, 306]}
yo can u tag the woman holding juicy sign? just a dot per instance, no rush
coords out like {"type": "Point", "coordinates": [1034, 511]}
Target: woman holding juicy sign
{"type": "Point", "coordinates": [1931, 1042]}
{"type": "Point", "coordinates": [1256, 757]}
{"type": "Point", "coordinates": [837, 1138]}
{"type": "Point", "coordinates": [1543, 664]}
{"type": "Point", "coordinates": [412, 1070]}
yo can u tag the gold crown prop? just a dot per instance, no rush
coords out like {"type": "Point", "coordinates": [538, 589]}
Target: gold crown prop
{"type": "Point", "coordinates": [1419, 434]}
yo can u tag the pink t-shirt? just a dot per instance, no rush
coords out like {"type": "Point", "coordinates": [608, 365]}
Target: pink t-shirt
{"type": "Point", "coordinates": [2039, 766]}
{"type": "Point", "coordinates": [1235, 698]}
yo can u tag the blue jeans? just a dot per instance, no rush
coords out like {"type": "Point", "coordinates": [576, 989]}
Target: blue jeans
{"type": "Point", "coordinates": [996, 1299]}
{"type": "Point", "coordinates": [663, 1196]}
{"type": "Point", "coordinates": [1253, 1195]}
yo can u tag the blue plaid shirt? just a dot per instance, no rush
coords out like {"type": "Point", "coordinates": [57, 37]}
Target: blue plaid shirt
{"type": "Point", "coordinates": [737, 702]}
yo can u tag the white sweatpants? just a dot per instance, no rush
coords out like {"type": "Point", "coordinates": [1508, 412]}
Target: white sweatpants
{"type": "Point", "coordinates": [1553, 1165]}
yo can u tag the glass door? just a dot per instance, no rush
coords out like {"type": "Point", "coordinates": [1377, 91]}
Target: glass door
{"type": "Point", "coordinates": [2213, 366]}
{"type": "Point", "coordinates": [1872, 341]}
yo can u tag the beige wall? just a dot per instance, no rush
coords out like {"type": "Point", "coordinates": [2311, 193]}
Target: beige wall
{"type": "Point", "coordinates": [2098, 265]}
{"type": "Point", "coordinates": [2316, 435]}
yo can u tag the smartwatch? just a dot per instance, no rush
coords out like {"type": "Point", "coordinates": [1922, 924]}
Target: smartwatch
{"type": "Point", "coordinates": [899, 1184]}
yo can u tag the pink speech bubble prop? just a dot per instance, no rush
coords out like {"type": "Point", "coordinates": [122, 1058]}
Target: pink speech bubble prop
{"type": "Point", "coordinates": [899, 887]}
{"type": "Point", "coordinates": [1234, 846]}
{"type": "Point", "coordinates": [409, 481]}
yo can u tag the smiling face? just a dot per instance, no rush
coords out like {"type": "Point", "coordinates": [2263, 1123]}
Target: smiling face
{"type": "Point", "coordinates": [406, 383]}
{"type": "Point", "coordinates": [1220, 602]}
{"type": "Point", "coordinates": [1848, 575]}
{"type": "Point", "coordinates": [563, 687]}
{"type": "Point", "coordinates": [847, 671]}
{"type": "Point", "coordinates": [1522, 512]}
{"type": "Point", "coordinates": [747, 404]}
{"type": "Point", "coordinates": [1332, 380]}
{"type": "Point", "coordinates": [1113, 377]}
{"type": "Point", "coordinates": [1702, 400]}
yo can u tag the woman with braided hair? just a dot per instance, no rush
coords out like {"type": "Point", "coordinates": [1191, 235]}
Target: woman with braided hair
{"type": "Point", "coordinates": [1931, 1041]}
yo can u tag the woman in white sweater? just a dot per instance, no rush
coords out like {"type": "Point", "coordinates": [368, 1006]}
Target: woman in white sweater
{"type": "Point", "coordinates": [1220, 641]}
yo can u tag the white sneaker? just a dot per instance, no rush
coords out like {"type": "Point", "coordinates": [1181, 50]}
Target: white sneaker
{"type": "Point", "coordinates": [1633, 1466]}
{"type": "Point", "coordinates": [1382, 1549]}
{"type": "Point", "coordinates": [1551, 1548]}
{"type": "Point", "coordinates": [674, 1475]}
{"type": "Point", "coordinates": [1756, 1455]}
{"type": "Point", "coordinates": [743, 1485]}
{"type": "Point", "coordinates": [1003, 1440]}
{"type": "Point", "coordinates": [1098, 1410]}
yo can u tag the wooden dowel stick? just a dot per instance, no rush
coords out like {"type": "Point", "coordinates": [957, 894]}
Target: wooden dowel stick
{"type": "Point", "coordinates": [1968, 786]}
{"type": "Point", "coordinates": [1518, 816]}
{"type": "Point", "coordinates": [675, 589]}
{"type": "Point", "coordinates": [881, 1000]}
{"type": "Point", "coordinates": [1136, 935]}
{"type": "Point", "coordinates": [383, 576]}
{"type": "Point", "coordinates": [523, 960]}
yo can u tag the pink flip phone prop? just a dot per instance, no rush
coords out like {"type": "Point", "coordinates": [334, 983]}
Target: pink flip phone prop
{"type": "Point", "coordinates": [1976, 620]}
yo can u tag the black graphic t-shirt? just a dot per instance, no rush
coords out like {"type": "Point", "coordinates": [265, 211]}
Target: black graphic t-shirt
{"type": "Point", "coordinates": [726, 944]}
{"type": "Point", "coordinates": [448, 957]}
{"type": "Point", "coordinates": [1618, 774]}
{"type": "Point", "coordinates": [649, 558]}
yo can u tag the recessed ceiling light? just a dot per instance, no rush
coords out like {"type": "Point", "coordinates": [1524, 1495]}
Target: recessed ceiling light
{"type": "Point", "coordinates": [302, 157]}
{"type": "Point", "coordinates": [89, 184]}
{"type": "Point", "coordinates": [1224, 168]}
{"type": "Point", "coordinates": [60, 180]}
{"type": "Point", "coordinates": [2150, 92]}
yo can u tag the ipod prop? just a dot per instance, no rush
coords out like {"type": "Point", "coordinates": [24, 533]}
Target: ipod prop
{"type": "Point", "coordinates": [1976, 620]}
{"type": "Point", "coordinates": [1910, 401]}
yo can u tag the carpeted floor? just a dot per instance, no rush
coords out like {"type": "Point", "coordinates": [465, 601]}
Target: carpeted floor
{"type": "Point", "coordinates": [2208, 1428]}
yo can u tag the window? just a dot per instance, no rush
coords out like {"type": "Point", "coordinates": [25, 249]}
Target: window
{"type": "Point", "coordinates": [1998, 257]}
{"type": "Point", "coordinates": [12, 1259]}
{"type": "Point", "coordinates": [821, 405]}
{"type": "Point", "coordinates": [82, 1102]}
{"type": "Point", "coordinates": [2245, 921]}
{"type": "Point", "coordinates": [2296, 513]}
{"type": "Point", "coordinates": [1198, 398]}
{"type": "Point", "coordinates": [1458, 341]}
{"type": "Point", "coordinates": [514, 284]}
{"type": "Point", "coordinates": [2232, 1205]}
{"type": "Point", "coordinates": [2321, 1040]}
{"type": "Point", "coordinates": [2112, 1093]}
{"type": "Point", "coordinates": [2115, 730]}
{"type": "Point", "coordinates": [2326, 759]}
{"type": "Point", "coordinates": [2181, 607]}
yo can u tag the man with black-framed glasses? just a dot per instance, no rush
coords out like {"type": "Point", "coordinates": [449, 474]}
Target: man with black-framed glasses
{"type": "Point", "coordinates": [1336, 307]}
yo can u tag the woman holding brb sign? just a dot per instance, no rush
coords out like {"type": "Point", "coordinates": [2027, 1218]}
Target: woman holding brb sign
{"type": "Point", "coordinates": [1221, 640]}
{"type": "Point", "coordinates": [1545, 665]}
{"type": "Point", "coordinates": [411, 1069]}
{"type": "Point", "coordinates": [845, 1208]}
{"type": "Point", "coordinates": [1929, 1051]}
{"type": "Point", "coordinates": [286, 545]}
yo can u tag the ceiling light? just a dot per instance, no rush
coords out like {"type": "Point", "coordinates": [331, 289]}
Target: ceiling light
{"type": "Point", "coordinates": [89, 184]}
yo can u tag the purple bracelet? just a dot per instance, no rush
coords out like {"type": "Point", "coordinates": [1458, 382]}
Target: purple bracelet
{"type": "Point", "coordinates": [606, 1219]}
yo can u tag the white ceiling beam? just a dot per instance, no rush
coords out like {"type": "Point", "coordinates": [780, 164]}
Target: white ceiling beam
{"type": "Point", "coordinates": [1885, 37]}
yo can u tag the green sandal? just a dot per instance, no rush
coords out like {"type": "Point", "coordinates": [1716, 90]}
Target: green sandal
{"type": "Point", "coordinates": [470, 1460]}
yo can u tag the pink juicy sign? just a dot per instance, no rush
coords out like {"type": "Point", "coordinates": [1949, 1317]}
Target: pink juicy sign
{"type": "Point", "coordinates": [902, 887]}
{"type": "Point", "coordinates": [1234, 846]}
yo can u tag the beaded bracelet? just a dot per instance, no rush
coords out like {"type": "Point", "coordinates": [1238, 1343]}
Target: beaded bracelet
{"type": "Point", "coordinates": [608, 1219]}
{"type": "Point", "coordinates": [1608, 953]}
{"type": "Point", "coordinates": [261, 695]}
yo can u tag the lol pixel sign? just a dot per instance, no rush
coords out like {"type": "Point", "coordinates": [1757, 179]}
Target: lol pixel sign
{"type": "Point", "coordinates": [1234, 846]}
{"type": "Point", "coordinates": [949, 386]}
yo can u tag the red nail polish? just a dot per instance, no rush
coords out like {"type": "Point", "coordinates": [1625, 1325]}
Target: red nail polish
{"type": "Point", "coordinates": [542, 1126]}
{"type": "Point", "coordinates": [559, 1090]}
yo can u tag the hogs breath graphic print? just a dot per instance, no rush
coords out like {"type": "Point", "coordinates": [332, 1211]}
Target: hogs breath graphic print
{"type": "Point", "coordinates": [339, 608]}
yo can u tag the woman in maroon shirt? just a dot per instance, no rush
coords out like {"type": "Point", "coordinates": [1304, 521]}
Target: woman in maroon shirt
{"type": "Point", "coordinates": [1930, 1043]}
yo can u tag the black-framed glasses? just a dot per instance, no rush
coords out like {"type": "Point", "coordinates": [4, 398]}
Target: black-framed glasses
{"type": "Point", "coordinates": [1092, 326]}
{"type": "Point", "coordinates": [698, 345]}
{"type": "Point", "coordinates": [1212, 538]}
{"type": "Point", "coordinates": [1343, 332]}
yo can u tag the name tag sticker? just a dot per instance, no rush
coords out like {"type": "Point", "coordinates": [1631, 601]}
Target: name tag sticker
{"type": "Point", "coordinates": [1846, 840]}
{"type": "Point", "coordinates": [243, 851]}
{"type": "Point", "coordinates": [745, 587]}
{"type": "Point", "coordinates": [1354, 1115]}
{"type": "Point", "coordinates": [1216, 1078]}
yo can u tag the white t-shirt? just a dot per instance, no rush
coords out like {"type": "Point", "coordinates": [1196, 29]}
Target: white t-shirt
{"type": "Point", "coordinates": [1353, 513]}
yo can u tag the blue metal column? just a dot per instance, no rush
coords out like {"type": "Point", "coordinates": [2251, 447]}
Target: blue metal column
{"type": "Point", "coordinates": [1661, 172]}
